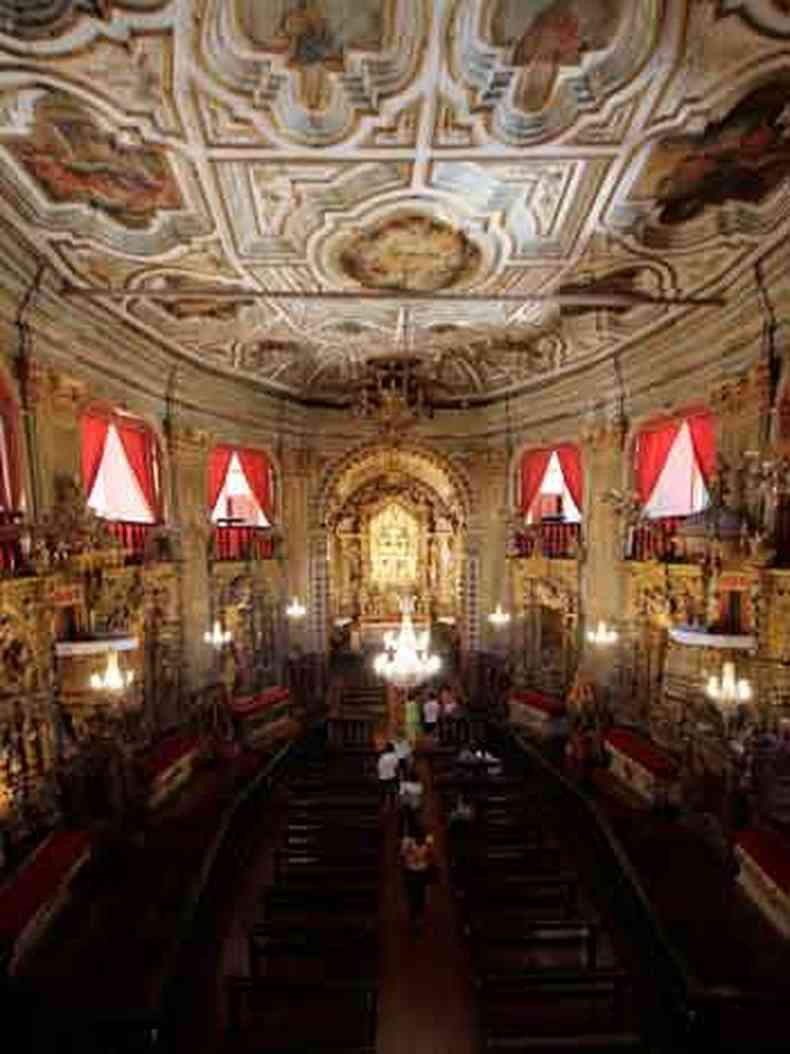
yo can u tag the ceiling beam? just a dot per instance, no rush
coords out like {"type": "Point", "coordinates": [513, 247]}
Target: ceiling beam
{"type": "Point", "coordinates": [574, 299]}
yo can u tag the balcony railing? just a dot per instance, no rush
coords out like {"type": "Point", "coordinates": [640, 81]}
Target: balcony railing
{"type": "Point", "coordinates": [558, 541]}
{"type": "Point", "coordinates": [243, 542]}
{"type": "Point", "coordinates": [132, 537]}
{"type": "Point", "coordinates": [652, 540]}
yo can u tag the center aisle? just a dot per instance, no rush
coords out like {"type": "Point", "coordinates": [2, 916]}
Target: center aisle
{"type": "Point", "coordinates": [426, 994]}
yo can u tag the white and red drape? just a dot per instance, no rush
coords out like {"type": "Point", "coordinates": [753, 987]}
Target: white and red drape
{"type": "Point", "coordinates": [139, 445]}
{"type": "Point", "coordinates": [534, 465]}
{"type": "Point", "coordinates": [10, 465]}
{"type": "Point", "coordinates": [257, 471]}
{"type": "Point", "coordinates": [655, 443]}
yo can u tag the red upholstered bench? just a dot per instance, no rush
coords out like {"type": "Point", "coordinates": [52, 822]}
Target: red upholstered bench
{"type": "Point", "coordinates": [764, 875]}
{"type": "Point", "coordinates": [169, 766]}
{"type": "Point", "coordinates": [31, 897]}
{"type": "Point", "coordinates": [263, 716]}
{"type": "Point", "coordinates": [640, 764]}
{"type": "Point", "coordinates": [541, 714]}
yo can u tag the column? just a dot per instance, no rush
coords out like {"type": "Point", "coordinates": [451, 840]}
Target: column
{"type": "Point", "coordinates": [188, 463]}
{"type": "Point", "coordinates": [494, 585]}
{"type": "Point", "coordinates": [602, 573]}
{"type": "Point", "coordinates": [296, 464]}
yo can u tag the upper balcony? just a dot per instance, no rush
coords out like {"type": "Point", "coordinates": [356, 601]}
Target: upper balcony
{"type": "Point", "coordinates": [557, 541]}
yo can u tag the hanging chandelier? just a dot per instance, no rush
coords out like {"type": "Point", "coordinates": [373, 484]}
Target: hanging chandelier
{"type": "Point", "coordinates": [406, 660]}
{"type": "Point", "coordinates": [216, 636]}
{"type": "Point", "coordinates": [727, 692]}
{"type": "Point", "coordinates": [499, 618]}
{"type": "Point", "coordinates": [113, 679]}
{"type": "Point", "coordinates": [602, 636]}
{"type": "Point", "coordinates": [296, 610]}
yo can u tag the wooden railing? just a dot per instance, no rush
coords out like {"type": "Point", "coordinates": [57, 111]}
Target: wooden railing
{"type": "Point", "coordinates": [557, 541]}
{"type": "Point", "coordinates": [242, 542]}
{"type": "Point", "coordinates": [652, 540]}
{"type": "Point", "coordinates": [132, 537]}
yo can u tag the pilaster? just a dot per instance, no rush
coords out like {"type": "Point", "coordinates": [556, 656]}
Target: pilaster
{"type": "Point", "coordinates": [188, 451]}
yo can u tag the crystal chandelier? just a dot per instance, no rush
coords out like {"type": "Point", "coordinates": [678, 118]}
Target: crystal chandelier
{"type": "Point", "coordinates": [727, 692]}
{"type": "Point", "coordinates": [216, 636]}
{"type": "Point", "coordinates": [406, 660]}
{"type": "Point", "coordinates": [602, 636]}
{"type": "Point", "coordinates": [499, 618]}
{"type": "Point", "coordinates": [113, 679]}
{"type": "Point", "coordinates": [296, 610]}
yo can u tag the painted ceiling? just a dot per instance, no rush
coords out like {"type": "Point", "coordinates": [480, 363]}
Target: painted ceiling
{"type": "Point", "coordinates": [501, 151]}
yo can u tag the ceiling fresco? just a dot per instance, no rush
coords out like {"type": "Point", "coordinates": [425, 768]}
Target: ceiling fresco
{"type": "Point", "coordinates": [525, 159]}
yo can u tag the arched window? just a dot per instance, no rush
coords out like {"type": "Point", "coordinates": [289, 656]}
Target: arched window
{"type": "Point", "coordinates": [551, 484]}
{"type": "Point", "coordinates": [240, 486]}
{"type": "Point", "coordinates": [673, 463]}
{"type": "Point", "coordinates": [121, 468]}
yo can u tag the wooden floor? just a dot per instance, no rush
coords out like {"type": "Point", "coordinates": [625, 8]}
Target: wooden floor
{"type": "Point", "coordinates": [425, 999]}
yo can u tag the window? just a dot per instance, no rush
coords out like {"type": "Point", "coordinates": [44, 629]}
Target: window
{"type": "Point", "coordinates": [236, 501]}
{"type": "Point", "coordinates": [672, 463]}
{"type": "Point", "coordinates": [120, 468]}
{"type": "Point", "coordinates": [554, 500]}
{"type": "Point", "coordinates": [680, 489]}
{"type": "Point", "coordinates": [240, 486]}
{"type": "Point", "coordinates": [551, 484]}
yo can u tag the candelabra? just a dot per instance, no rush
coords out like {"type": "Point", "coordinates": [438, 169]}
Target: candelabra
{"type": "Point", "coordinates": [602, 636]}
{"type": "Point", "coordinates": [499, 618]}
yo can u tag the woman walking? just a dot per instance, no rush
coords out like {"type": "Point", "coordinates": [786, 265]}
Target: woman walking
{"type": "Point", "coordinates": [417, 854]}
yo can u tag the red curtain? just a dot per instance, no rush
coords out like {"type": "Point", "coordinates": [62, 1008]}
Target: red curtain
{"type": "Point", "coordinates": [218, 465]}
{"type": "Point", "coordinates": [703, 439]}
{"type": "Point", "coordinates": [11, 489]}
{"type": "Point", "coordinates": [651, 456]}
{"type": "Point", "coordinates": [139, 447]}
{"type": "Point", "coordinates": [533, 468]}
{"type": "Point", "coordinates": [257, 471]}
{"type": "Point", "coordinates": [571, 464]}
{"type": "Point", "coordinates": [94, 438]}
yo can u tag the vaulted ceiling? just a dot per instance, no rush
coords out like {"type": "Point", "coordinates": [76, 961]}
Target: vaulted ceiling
{"type": "Point", "coordinates": [567, 174]}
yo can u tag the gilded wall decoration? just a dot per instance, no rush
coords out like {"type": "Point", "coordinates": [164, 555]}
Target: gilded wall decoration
{"type": "Point", "coordinates": [74, 160]}
{"type": "Point", "coordinates": [413, 252]}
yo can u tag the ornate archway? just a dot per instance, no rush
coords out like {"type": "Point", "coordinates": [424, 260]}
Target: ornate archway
{"type": "Point", "coordinates": [389, 520]}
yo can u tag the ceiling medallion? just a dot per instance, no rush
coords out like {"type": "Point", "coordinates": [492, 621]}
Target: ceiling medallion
{"type": "Point", "coordinates": [411, 252]}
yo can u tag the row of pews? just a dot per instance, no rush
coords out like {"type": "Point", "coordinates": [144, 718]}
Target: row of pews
{"type": "Point", "coordinates": [548, 974]}
{"type": "Point", "coordinates": [314, 953]}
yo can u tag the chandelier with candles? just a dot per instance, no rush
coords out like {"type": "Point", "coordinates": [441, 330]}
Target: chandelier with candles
{"type": "Point", "coordinates": [406, 660]}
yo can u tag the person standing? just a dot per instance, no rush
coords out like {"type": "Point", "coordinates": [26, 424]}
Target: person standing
{"type": "Point", "coordinates": [430, 714]}
{"type": "Point", "coordinates": [410, 793]}
{"type": "Point", "coordinates": [403, 750]}
{"type": "Point", "coordinates": [387, 767]}
{"type": "Point", "coordinates": [417, 855]}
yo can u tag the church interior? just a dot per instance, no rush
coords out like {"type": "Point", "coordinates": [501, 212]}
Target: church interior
{"type": "Point", "coordinates": [378, 676]}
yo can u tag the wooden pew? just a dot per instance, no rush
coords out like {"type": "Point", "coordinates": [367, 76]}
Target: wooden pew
{"type": "Point", "coordinates": [304, 899]}
{"type": "Point", "coordinates": [268, 1016]}
{"type": "Point", "coordinates": [314, 956]}
{"type": "Point", "coordinates": [566, 1003]}
{"type": "Point", "coordinates": [296, 871]}
{"type": "Point", "coordinates": [499, 947]}
{"type": "Point", "coordinates": [525, 895]}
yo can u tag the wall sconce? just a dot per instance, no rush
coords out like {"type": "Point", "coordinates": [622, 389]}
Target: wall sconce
{"type": "Point", "coordinates": [499, 618]}
{"type": "Point", "coordinates": [602, 636]}
{"type": "Point", "coordinates": [216, 636]}
{"type": "Point", "coordinates": [296, 609]}
{"type": "Point", "coordinates": [113, 679]}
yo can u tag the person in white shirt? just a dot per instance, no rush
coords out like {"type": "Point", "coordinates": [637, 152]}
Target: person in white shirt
{"type": "Point", "coordinates": [387, 766]}
{"type": "Point", "coordinates": [403, 751]}
{"type": "Point", "coordinates": [430, 714]}
{"type": "Point", "coordinates": [410, 793]}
